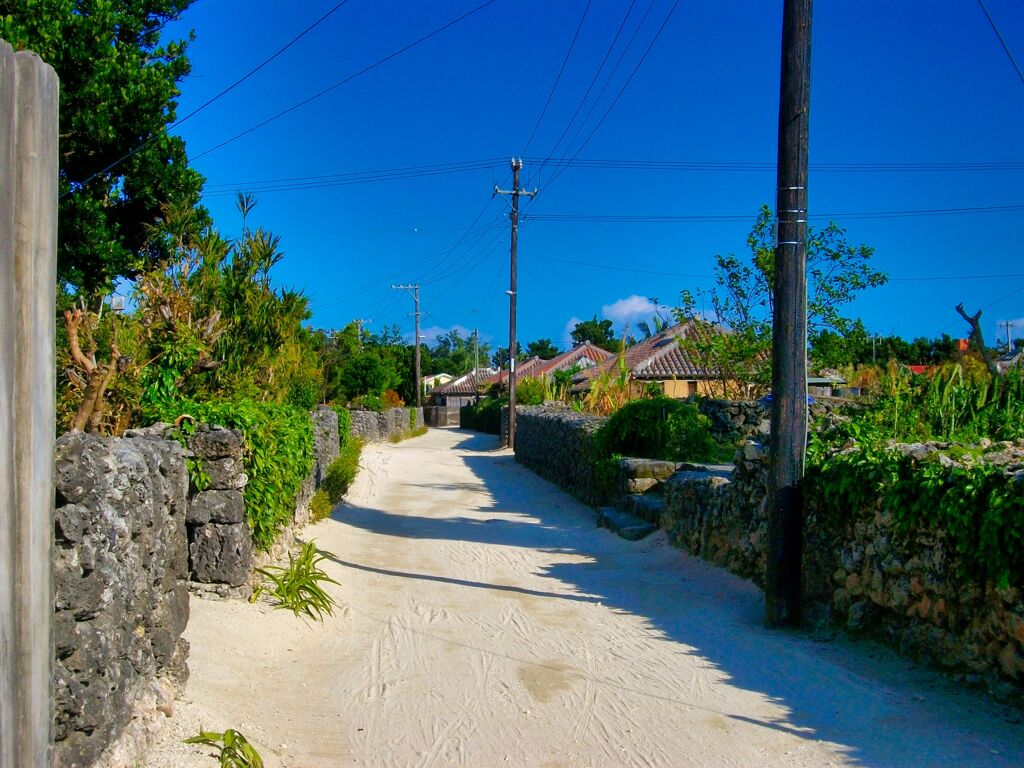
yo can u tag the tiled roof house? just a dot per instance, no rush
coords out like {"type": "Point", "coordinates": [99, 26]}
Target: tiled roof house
{"type": "Point", "coordinates": [660, 360]}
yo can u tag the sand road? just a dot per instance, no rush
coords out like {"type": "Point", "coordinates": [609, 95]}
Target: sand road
{"type": "Point", "coordinates": [485, 621]}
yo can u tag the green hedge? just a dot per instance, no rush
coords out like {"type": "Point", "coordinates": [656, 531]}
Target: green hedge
{"type": "Point", "coordinates": [484, 416]}
{"type": "Point", "coordinates": [659, 428]}
{"type": "Point", "coordinates": [277, 453]}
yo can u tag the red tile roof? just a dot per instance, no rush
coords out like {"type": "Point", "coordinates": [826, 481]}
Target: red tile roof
{"type": "Point", "coordinates": [584, 355]}
{"type": "Point", "coordinates": [464, 385]}
{"type": "Point", "coordinates": [660, 357]}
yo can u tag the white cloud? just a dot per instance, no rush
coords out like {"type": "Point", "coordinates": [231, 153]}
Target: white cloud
{"type": "Point", "coordinates": [632, 309]}
{"type": "Point", "coordinates": [570, 325]}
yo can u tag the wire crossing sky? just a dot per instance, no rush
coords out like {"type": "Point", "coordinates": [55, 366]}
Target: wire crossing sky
{"type": "Point", "coordinates": [373, 134]}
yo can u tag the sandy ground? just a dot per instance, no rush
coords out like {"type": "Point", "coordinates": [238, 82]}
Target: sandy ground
{"type": "Point", "coordinates": [485, 621]}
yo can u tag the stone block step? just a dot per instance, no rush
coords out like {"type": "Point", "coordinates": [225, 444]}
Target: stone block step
{"type": "Point", "coordinates": [646, 506]}
{"type": "Point", "coordinates": [627, 526]}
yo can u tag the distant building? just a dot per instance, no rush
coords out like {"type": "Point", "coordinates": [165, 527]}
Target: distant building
{"type": "Point", "coordinates": [435, 380]}
{"type": "Point", "coordinates": [661, 361]}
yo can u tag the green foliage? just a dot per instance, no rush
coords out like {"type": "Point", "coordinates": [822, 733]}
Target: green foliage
{"type": "Point", "coordinates": [977, 504]}
{"type": "Point", "coordinates": [373, 403]}
{"type": "Point", "coordinates": [233, 749]}
{"type": "Point", "coordinates": [412, 419]}
{"type": "Point", "coordinates": [118, 90]}
{"type": "Point", "coordinates": [342, 471]}
{"type": "Point", "coordinates": [320, 506]}
{"type": "Point", "coordinates": [197, 476]}
{"type": "Point", "coordinates": [743, 300]}
{"type": "Point", "coordinates": [500, 358]}
{"type": "Point", "coordinates": [659, 428]}
{"type": "Point", "coordinates": [482, 416]}
{"type": "Point", "coordinates": [298, 587]}
{"type": "Point", "coordinates": [344, 423]}
{"type": "Point", "coordinates": [597, 332]}
{"type": "Point", "coordinates": [277, 453]}
{"type": "Point", "coordinates": [531, 391]}
{"type": "Point", "coordinates": [454, 354]}
{"type": "Point", "coordinates": [959, 402]}
{"type": "Point", "coordinates": [542, 348]}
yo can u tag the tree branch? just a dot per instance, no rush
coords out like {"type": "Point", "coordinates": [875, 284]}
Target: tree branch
{"type": "Point", "coordinates": [979, 340]}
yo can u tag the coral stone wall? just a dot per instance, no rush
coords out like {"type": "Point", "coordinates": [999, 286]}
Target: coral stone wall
{"type": "Point", "coordinates": [393, 423]}
{"type": "Point", "coordinates": [557, 444]}
{"type": "Point", "coordinates": [860, 571]}
{"type": "Point", "coordinates": [121, 585]}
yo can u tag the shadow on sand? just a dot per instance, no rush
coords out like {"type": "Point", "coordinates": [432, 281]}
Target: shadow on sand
{"type": "Point", "coordinates": [883, 711]}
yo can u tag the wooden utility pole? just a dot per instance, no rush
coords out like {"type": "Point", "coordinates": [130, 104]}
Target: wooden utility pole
{"type": "Point", "coordinates": [414, 289]}
{"type": "Point", "coordinates": [783, 577]}
{"type": "Point", "coordinates": [517, 165]}
{"type": "Point", "coordinates": [28, 272]}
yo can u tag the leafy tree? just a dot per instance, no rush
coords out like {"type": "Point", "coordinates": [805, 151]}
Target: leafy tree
{"type": "Point", "coordinates": [597, 332]}
{"type": "Point", "coordinates": [542, 348]}
{"type": "Point", "coordinates": [743, 299]}
{"type": "Point", "coordinates": [118, 91]}
{"type": "Point", "coordinates": [500, 358]}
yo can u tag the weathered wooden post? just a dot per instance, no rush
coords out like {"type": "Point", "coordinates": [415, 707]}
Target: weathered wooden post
{"type": "Point", "coordinates": [28, 259]}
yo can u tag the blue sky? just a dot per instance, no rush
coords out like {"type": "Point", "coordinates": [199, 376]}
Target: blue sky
{"type": "Point", "coordinates": [892, 84]}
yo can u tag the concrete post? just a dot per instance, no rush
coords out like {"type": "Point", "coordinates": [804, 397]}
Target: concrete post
{"type": "Point", "coordinates": [28, 259]}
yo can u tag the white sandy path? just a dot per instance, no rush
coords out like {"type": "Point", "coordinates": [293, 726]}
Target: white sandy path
{"type": "Point", "coordinates": [485, 621]}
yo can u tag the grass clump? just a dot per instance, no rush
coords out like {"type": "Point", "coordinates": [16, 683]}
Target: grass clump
{"type": "Point", "coordinates": [320, 506]}
{"type": "Point", "coordinates": [233, 749]}
{"type": "Point", "coordinates": [342, 470]}
{"type": "Point", "coordinates": [297, 587]}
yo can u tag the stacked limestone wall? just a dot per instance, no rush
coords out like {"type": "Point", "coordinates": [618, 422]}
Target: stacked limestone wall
{"type": "Point", "coordinates": [557, 444]}
{"type": "Point", "coordinates": [121, 591]}
{"type": "Point", "coordinates": [392, 424]}
{"type": "Point", "coordinates": [860, 570]}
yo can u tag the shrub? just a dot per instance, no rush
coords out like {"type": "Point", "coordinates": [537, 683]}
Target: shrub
{"type": "Point", "coordinates": [659, 428]}
{"type": "Point", "coordinates": [277, 454]}
{"type": "Point", "coordinates": [344, 423]}
{"type": "Point", "coordinates": [343, 470]}
{"type": "Point", "coordinates": [530, 391]}
{"type": "Point", "coordinates": [369, 403]}
{"type": "Point", "coordinates": [484, 416]}
{"type": "Point", "coordinates": [391, 399]}
{"type": "Point", "coordinates": [320, 506]}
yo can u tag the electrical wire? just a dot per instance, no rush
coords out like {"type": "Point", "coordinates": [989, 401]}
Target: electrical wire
{"type": "Point", "coordinates": [323, 181]}
{"type": "Point", "coordinates": [1002, 42]}
{"type": "Point", "coordinates": [139, 147]}
{"type": "Point", "coordinates": [554, 85]}
{"type": "Point", "coordinates": [622, 90]}
{"type": "Point", "coordinates": [717, 218]}
{"type": "Point", "coordinates": [590, 87]}
{"type": "Point", "coordinates": [345, 80]}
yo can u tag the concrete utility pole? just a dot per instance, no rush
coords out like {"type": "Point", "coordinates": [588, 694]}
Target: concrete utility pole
{"type": "Point", "coordinates": [359, 330]}
{"type": "Point", "coordinates": [517, 165]}
{"type": "Point", "coordinates": [476, 354]}
{"type": "Point", "coordinates": [783, 578]}
{"type": "Point", "coordinates": [414, 289]}
{"type": "Point", "coordinates": [28, 272]}
{"type": "Point", "coordinates": [1009, 327]}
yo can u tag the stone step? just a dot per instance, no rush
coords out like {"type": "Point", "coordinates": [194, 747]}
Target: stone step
{"type": "Point", "coordinates": [646, 506]}
{"type": "Point", "coordinates": [627, 526]}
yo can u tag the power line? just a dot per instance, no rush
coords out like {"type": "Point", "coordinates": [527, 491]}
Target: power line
{"type": "Point", "coordinates": [321, 181]}
{"type": "Point", "coordinates": [617, 268]}
{"type": "Point", "coordinates": [344, 180]}
{"type": "Point", "coordinates": [139, 147]}
{"type": "Point", "coordinates": [622, 90]}
{"type": "Point", "coordinates": [593, 81]}
{"type": "Point", "coordinates": [1002, 42]}
{"type": "Point", "coordinates": [345, 80]}
{"type": "Point", "coordinates": [716, 218]}
{"type": "Point", "coordinates": [558, 78]}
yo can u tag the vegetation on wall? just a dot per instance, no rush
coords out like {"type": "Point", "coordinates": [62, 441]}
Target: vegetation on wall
{"type": "Point", "coordinates": [277, 454]}
{"type": "Point", "coordinates": [660, 428]}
